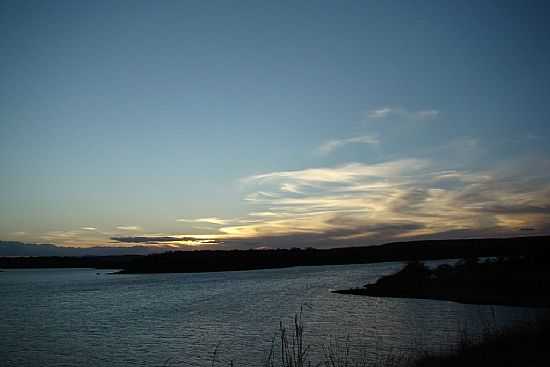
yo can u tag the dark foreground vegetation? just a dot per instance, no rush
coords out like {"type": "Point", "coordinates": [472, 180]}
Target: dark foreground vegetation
{"type": "Point", "coordinates": [524, 344]}
{"type": "Point", "coordinates": [207, 261]}
{"type": "Point", "coordinates": [518, 281]}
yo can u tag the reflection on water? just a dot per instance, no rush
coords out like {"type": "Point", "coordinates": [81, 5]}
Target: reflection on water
{"type": "Point", "coordinates": [69, 317]}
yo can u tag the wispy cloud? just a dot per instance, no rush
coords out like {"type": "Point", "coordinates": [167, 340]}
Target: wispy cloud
{"type": "Point", "coordinates": [340, 174]}
{"type": "Point", "coordinates": [264, 214]}
{"type": "Point", "coordinates": [359, 203]}
{"type": "Point", "coordinates": [289, 187]}
{"type": "Point", "coordinates": [176, 240]}
{"type": "Point", "coordinates": [331, 145]}
{"type": "Point", "coordinates": [128, 228]}
{"type": "Point", "coordinates": [395, 199]}
{"type": "Point", "coordinates": [426, 114]}
{"type": "Point", "coordinates": [400, 112]}
{"type": "Point", "coordinates": [210, 220]}
{"type": "Point", "coordinates": [380, 113]}
{"type": "Point", "coordinates": [61, 234]}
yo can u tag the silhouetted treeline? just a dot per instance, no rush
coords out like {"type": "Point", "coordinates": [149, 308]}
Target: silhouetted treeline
{"type": "Point", "coordinates": [205, 261]}
{"type": "Point", "coordinates": [201, 261]}
{"type": "Point", "coordinates": [518, 280]}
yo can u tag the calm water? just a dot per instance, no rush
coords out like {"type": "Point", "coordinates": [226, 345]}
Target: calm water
{"type": "Point", "coordinates": [75, 317]}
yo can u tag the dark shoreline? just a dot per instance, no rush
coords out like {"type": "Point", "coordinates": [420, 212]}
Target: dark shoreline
{"type": "Point", "coordinates": [516, 281]}
{"type": "Point", "coordinates": [237, 260]}
{"type": "Point", "coordinates": [240, 260]}
{"type": "Point", "coordinates": [504, 301]}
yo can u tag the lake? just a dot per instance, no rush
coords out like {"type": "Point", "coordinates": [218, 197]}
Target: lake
{"type": "Point", "coordinates": [87, 317]}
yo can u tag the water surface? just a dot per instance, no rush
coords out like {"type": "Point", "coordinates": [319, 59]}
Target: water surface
{"type": "Point", "coordinates": [86, 317]}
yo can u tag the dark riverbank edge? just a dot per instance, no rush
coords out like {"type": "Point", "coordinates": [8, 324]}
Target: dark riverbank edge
{"type": "Point", "coordinates": [237, 260]}
{"type": "Point", "coordinates": [481, 300]}
{"type": "Point", "coordinates": [514, 281]}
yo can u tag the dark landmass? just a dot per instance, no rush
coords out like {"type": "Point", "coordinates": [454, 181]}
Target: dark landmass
{"type": "Point", "coordinates": [204, 261]}
{"type": "Point", "coordinates": [96, 262]}
{"type": "Point", "coordinates": [220, 260]}
{"type": "Point", "coordinates": [14, 248]}
{"type": "Point", "coordinates": [516, 281]}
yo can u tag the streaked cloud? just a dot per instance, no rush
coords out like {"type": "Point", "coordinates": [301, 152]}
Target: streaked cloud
{"type": "Point", "coordinates": [69, 237]}
{"type": "Point", "coordinates": [176, 241]}
{"type": "Point", "coordinates": [128, 228]}
{"type": "Point", "coordinates": [331, 145]}
{"type": "Point", "coordinates": [60, 234]}
{"type": "Point", "coordinates": [426, 114]}
{"type": "Point", "coordinates": [346, 173]}
{"type": "Point", "coordinates": [264, 214]}
{"type": "Point", "coordinates": [358, 203]}
{"type": "Point", "coordinates": [380, 112]}
{"type": "Point", "coordinates": [289, 187]}
{"type": "Point", "coordinates": [403, 113]}
{"type": "Point", "coordinates": [210, 220]}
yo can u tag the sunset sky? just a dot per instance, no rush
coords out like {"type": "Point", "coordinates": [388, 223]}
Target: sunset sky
{"type": "Point", "coordinates": [247, 124]}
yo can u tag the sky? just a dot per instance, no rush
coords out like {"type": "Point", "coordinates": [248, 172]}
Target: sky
{"type": "Point", "coordinates": [250, 124]}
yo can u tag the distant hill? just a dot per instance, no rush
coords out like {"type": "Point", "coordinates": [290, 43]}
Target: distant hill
{"type": "Point", "coordinates": [206, 261]}
{"type": "Point", "coordinates": [157, 260]}
{"type": "Point", "coordinates": [13, 248]}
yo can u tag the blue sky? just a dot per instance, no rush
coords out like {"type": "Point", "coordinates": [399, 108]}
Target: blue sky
{"type": "Point", "coordinates": [250, 124]}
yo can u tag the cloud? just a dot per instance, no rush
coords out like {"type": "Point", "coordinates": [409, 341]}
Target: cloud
{"type": "Point", "coordinates": [171, 240]}
{"type": "Point", "coordinates": [19, 233]}
{"type": "Point", "coordinates": [88, 228]}
{"type": "Point", "coordinates": [60, 234]}
{"type": "Point", "coordinates": [361, 204]}
{"type": "Point", "coordinates": [380, 113]}
{"type": "Point", "coordinates": [288, 187]}
{"type": "Point", "coordinates": [403, 113]}
{"type": "Point", "coordinates": [264, 214]}
{"type": "Point", "coordinates": [426, 114]}
{"type": "Point", "coordinates": [347, 173]}
{"type": "Point", "coordinates": [331, 145]}
{"type": "Point", "coordinates": [410, 198]}
{"type": "Point", "coordinates": [128, 228]}
{"type": "Point", "coordinates": [210, 220]}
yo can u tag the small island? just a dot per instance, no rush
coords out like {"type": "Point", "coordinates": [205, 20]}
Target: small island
{"type": "Point", "coordinates": [514, 281]}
